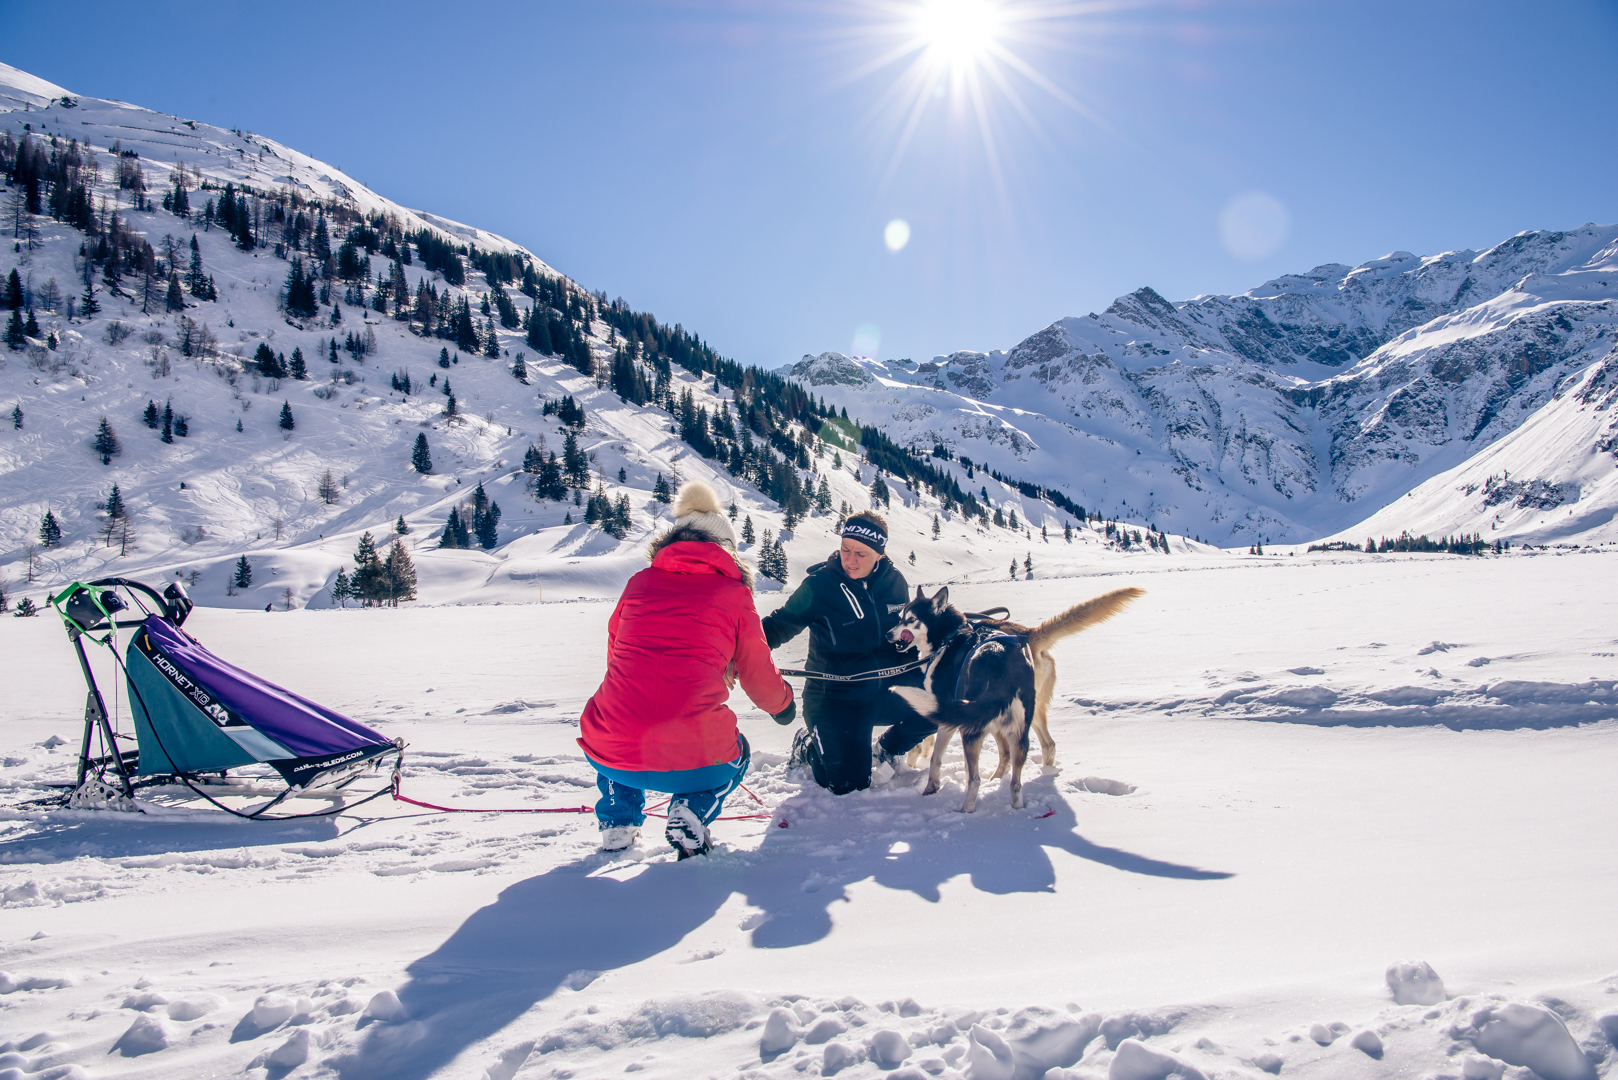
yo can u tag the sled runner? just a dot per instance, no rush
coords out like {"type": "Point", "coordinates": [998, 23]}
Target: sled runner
{"type": "Point", "coordinates": [197, 717]}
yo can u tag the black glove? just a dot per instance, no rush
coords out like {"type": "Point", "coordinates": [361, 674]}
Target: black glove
{"type": "Point", "coordinates": [786, 715]}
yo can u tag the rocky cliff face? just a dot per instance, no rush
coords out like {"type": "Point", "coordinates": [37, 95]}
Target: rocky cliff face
{"type": "Point", "coordinates": [1288, 411]}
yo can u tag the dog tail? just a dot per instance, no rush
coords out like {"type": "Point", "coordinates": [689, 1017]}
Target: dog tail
{"type": "Point", "coordinates": [1080, 617]}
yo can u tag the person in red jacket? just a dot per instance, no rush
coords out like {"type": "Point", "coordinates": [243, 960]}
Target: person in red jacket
{"type": "Point", "coordinates": [683, 633]}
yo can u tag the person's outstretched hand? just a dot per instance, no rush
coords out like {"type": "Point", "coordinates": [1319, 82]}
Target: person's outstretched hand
{"type": "Point", "coordinates": [786, 715]}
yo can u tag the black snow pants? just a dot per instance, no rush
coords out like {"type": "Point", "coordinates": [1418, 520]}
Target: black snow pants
{"type": "Point", "coordinates": [840, 720]}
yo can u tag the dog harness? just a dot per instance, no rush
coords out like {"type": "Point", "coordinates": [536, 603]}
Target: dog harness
{"type": "Point", "coordinates": [979, 638]}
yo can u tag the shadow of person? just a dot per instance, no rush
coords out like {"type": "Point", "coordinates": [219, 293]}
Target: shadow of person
{"type": "Point", "coordinates": [568, 925]}
{"type": "Point", "coordinates": [562, 927]}
{"type": "Point", "coordinates": [1000, 850]}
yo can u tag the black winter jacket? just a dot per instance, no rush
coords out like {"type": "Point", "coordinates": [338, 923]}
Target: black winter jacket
{"type": "Point", "coordinates": [848, 620]}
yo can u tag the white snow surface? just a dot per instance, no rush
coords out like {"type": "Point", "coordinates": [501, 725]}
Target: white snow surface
{"type": "Point", "coordinates": [1279, 778]}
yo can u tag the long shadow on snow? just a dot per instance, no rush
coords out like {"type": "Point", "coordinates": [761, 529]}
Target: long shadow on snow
{"type": "Point", "coordinates": [517, 951]}
{"type": "Point", "coordinates": [111, 835]}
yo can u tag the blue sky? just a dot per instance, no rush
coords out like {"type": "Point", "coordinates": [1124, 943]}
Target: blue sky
{"type": "Point", "coordinates": [727, 165]}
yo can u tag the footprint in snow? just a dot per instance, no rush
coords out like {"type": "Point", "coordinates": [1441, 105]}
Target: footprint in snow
{"type": "Point", "coordinates": [1100, 785]}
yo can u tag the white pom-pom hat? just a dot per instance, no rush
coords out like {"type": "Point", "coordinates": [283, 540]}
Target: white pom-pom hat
{"type": "Point", "coordinates": [697, 507]}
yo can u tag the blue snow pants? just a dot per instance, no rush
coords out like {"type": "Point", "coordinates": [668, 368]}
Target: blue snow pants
{"type": "Point", "coordinates": [623, 793]}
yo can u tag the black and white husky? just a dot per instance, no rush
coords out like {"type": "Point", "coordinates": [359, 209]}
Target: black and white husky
{"type": "Point", "coordinates": [989, 677]}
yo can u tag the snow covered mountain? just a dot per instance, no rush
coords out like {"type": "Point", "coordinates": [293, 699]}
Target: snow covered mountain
{"type": "Point", "coordinates": [235, 482]}
{"type": "Point", "coordinates": [1300, 407]}
{"type": "Point", "coordinates": [1287, 413]}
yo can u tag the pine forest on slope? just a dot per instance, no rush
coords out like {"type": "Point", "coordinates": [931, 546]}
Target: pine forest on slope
{"type": "Point", "coordinates": [252, 301]}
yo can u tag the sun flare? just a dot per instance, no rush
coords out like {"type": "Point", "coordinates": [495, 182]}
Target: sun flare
{"type": "Point", "coordinates": [958, 31]}
{"type": "Point", "coordinates": [973, 66]}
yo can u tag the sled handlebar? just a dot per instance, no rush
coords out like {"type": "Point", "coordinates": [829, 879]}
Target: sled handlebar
{"type": "Point", "coordinates": [92, 605]}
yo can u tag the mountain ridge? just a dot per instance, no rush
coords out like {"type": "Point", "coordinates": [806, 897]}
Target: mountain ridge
{"type": "Point", "coordinates": [1329, 394]}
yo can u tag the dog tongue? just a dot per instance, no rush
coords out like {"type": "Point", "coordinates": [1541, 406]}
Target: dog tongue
{"type": "Point", "coordinates": [906, 636]}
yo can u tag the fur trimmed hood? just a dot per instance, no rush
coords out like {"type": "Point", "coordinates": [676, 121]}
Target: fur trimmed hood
{"type": "Point", "coordinates": [692, 534]}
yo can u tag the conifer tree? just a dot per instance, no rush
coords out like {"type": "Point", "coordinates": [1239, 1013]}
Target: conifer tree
{"type": "Point", "coordinates": [401, 527]}
{"type": "Point", "coordinates": [575, 465]}
{"type": "Point", "coordinates": [879, 491]}
{"type": "Point", "coordinates": [16, 417]}
{"type": "Point", "coordinates": [16, 335]}
{"type": "Point", "coordinates": [519, 370]}
{"type": "Point", "coordinates": [661, 492]}
{"type": "Point", "coordinates": [450, 409]}
{"type": "Point", "coordinates": [88, 305]}
{"type": "Point", "coordinates": [748, 536]}
{"type": "Point", "coordinates": [175, 300]}
{"type": "Point", "coordinates": [106, 442]}
{"type": "Point", "coordinates": [243, 578]}
{"type": "Point", "coordinates": [168, 422]}
{"type": "Point", "coordinates": [421, 457]}
{"type": "Point", "coordinates": [398, 574]}
{"type": "Point", "coordinates": [485, 518]}
{"type": "Point", "coordinates": [297, 367]}
{"type": "Point", "coordinates": [550, 484]}
{"type": "Point", "coordinates": [195, 279]}
{"type": "Point", "coordinates": [50, 531]}
{"type": "Point", "coordinates": [367, 584]}
{"type": "Point", "coordinates": [286, 423]}
{"type": "Point", "coordinates": [149, 417]}
{"type": "Point", "coordinates": [1028, 564]}
{"type": "Point", "coordinates": [938, 527]}
{"type": "Point", "coordinates": [780, 558]}
{"type": "Point", "coordinates": [340, 588]}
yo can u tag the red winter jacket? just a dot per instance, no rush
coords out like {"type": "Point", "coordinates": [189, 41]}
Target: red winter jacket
{"type": "Point", "coordinates": [678, 625]}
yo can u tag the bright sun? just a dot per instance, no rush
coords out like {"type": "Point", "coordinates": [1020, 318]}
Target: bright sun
{"type": "Point", "coordinates": [958, 31]}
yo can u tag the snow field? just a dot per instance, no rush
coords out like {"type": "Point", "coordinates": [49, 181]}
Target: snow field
{"type": "Point", "coordinates": [1211, 896]}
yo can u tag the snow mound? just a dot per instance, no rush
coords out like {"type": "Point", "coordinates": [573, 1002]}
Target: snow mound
{"type": "Point", "coordinates": [1415, 983]}
{"type": "Point", "coordinates": [1528, 1035]}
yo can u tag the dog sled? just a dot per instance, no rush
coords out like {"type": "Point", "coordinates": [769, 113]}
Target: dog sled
{"type": "Point", "coordinates": [200, 721]}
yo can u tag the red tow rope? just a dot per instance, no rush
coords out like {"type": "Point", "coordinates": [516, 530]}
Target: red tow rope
{"type": "Point", "coordinates": [553, 809]}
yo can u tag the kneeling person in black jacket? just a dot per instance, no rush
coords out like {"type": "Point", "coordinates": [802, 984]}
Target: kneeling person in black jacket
{"type": "Point", "coordinates": [849, 603]}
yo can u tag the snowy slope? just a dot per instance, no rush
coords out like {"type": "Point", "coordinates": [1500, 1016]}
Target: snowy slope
{"type": "Point", "coordinates": [199, 503]}
{"type": "Point", "coordinates": [1280, 414]}
{"type": "Point", "coordinates": [1552, 480]}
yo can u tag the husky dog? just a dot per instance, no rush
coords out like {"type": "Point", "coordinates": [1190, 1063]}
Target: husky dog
{"type": "Point", "coordinates": [989, 677]}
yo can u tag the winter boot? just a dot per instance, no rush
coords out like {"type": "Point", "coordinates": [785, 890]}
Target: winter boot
{"type": "Point", "coordinates": [686, 833]}
{"type": "Point", "coordinates": [803, 748]}
{"type": "Point", "coordinates": [618, 838]}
